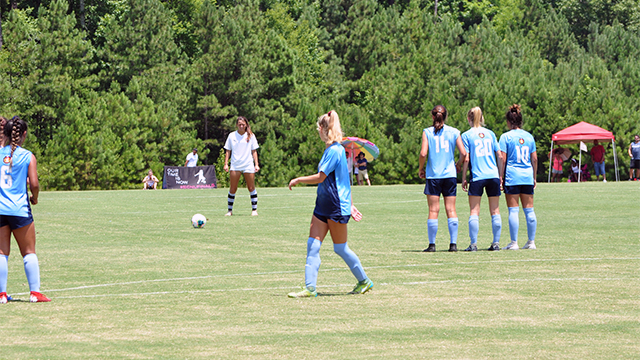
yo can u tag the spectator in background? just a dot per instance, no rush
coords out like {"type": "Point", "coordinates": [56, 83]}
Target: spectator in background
{"type": "Point", "coordinates": [192, 159]}
{"type": "Point", "coordinates": [597, 156]}
{"type": "Point", "coordinates": [556, 170]}
{"type": "Point", "coordinates": [634, 153]}
{"type": "Point", "coordinates": [150, 181]}
{"type": "Point", "coordinates": [362, 169]}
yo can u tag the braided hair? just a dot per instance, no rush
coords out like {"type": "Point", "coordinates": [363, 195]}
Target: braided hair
{"type": "Point", "coordinates": [3, 121]}
{"type": "Point", "coordinates": [13, 129]}
{"type": "Point", "coordinates": [439, 114]}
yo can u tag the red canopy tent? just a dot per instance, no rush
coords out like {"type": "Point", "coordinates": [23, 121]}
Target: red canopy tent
{"type": "Point", "coordinates": [584, 131]}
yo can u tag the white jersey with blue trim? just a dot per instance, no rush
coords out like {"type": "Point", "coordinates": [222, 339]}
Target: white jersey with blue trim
{"type": "Point", "coordinates": [518, 145]}
{"type": "Point", "coordinates": [334, 193]}
{"type": "Point", "coordinates": [481, 144]}
{"type": "Point", "coordinates": [440, 160]}
{"type": "Point", "coordinates": [13, 182]}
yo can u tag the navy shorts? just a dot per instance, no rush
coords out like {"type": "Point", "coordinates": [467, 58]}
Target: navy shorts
{"type": "Point", "coordinates": [15, 222]}
{"type": "Point", "coordinates": [492, 186]}
{"type": "Point", "coordinates": [634, 164]}
{"type": "Point", "coordinates": [340, 219]}
{"type": "Point", "coordinates": [446, 187]}
{"type": "Point", "coordinates": [519, 189]}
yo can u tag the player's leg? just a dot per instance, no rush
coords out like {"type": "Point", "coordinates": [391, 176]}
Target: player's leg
{"type": "Point", "coordinates": [514, 221]}
{"type": "Point", "coordinates": [317, 232]}
{"type": "Point", "coordinates": [340, 246]}
{"type": "Point", "coordinates": [496, 221]}
{"type": "Point", "coordinates": [250, 179]}
{"type": "Point", "coordinates": [474, 221]}
{"type": "Point", "coordinates": [452, 221]}
{"type": "Point", "coordinates": [234, 178]}
{"type": "Point", "coordinates": [532, 221]}
{"type": "Point", "coordinates": [432, 221]}
{"type": "Point", "coordinates": [5, 247]}
{"type": "Point", "coordinates": [26, 239]}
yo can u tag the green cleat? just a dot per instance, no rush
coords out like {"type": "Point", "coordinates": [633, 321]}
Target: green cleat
{"type": "Point", "coordinates": [362, 287]}
{"type": "Point", "coordinates": [304, 293]}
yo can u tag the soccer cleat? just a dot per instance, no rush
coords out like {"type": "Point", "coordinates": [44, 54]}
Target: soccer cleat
{"type": "Point", "coordinates": [512, 246]}
{"type": "Point", "coordinates": [38, 297]}
{"type": "Point", "coordinates": [431, 248]}
{"type": "Point", "coordinates": [304, 293]}
{"type": "Point", "coordinates": [362, 287]}
{"type": "Point", "coordinates": [229, 213]}
{"type": "Point", "coordinates": [3, 298]}
{"type": "Point", "coordinates": [530, 245]}
{"type": "Point", "coordinates": [453, 248]}
{"type": "Point", "coordinates": [254, 212]}
{"type": "Point", "coordinates": [472, 247]}
{"type": "Point", "coordinates": [494, 247]}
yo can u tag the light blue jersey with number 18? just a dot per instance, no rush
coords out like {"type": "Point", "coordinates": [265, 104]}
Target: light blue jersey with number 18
{"type": "Point", "coordinates": [14, 200]}
{"type": "Point", "coordinates": [518, 145]}
{"type": "Point", "coordinates": [481, 144]}
{"type": "Point", "coordinates": [440, 161]}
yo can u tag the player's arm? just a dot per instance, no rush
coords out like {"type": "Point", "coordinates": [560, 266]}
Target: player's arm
{"type": "Point", "coordinates": [310, 179]}
{"type": "Point", "coordinates": [32, 176]}
{"type": "Point", "coordinates": [463, 153]}
{"type": "Point", "coordinates": [227, 154]}
{"type": "Point", "coordinates": [465, 166]}
{"type": "Point", "coordinates": [424, 151]}
{"type": "Point", "coordinates": [254, 153]}
{"type": "Point", "coordinates": [534, 165]}
{"type": "Point", "coordinates": [503, 158]}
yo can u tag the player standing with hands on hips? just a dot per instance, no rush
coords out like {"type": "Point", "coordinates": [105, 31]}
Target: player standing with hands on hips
{"type": "Point", "coordinates": [18, 165]}
{"type": "Point", "coordinates": [333, 209]}
{"type": "Point", "coordinates": [438, 144]}
{"type": "Point", "coordinates": [518, 152]}
{"type": "Point", "coordinates": [241, 147]}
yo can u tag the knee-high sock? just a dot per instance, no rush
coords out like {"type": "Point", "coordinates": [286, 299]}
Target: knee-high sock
{"type": "Point", "coordinates": [453, 229]}
{"type": "Point", "coordinates": [496, 226]}
{"type": "Point", "coordinates": [230, 199]}
{"type": "Point", "coordinates": [313, 263]}
{"type": "Point", "coordinates": [532, 223]}
{"type": "Point", "coordinates": [432, 230]}
{"type": "Point", "coordinates": [474, 227]}
{"type": "Point", "coordinates": [351, 259]}
{"type": "Point", "coordinates": [32, 270]}
{"type": "Point", "coordinates": [4, 272]}
{"type": "Point", "coordinates": [254, 199]}
{"type": "Point", "coordinates": [514, 223]}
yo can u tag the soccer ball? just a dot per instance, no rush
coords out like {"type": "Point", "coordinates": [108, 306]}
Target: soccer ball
{"type": "Point", "coordinates": [198, 221]}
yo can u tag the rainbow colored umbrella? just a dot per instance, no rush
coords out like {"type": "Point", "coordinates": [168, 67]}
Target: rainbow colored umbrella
{"type": "Point", "coordinates": [356, 145]}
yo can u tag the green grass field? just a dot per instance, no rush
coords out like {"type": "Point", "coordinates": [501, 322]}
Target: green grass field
{"type": "Point", "coordinates": [130, 278]}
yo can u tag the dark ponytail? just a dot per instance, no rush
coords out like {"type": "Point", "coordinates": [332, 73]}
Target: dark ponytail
{"type": "Point", "coordinates": [14, 129]}
{"type": "Point", "coordinates": [514, 116]}
{"type": "Point", "coordinates": [439, 114]}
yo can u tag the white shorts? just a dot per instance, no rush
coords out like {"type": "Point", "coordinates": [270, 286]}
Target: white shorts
{"type": "Point", "coordinates": [249, 169]}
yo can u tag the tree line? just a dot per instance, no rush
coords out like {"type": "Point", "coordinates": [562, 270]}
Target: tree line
{"type": "Point", "coordinates": [111, 88]}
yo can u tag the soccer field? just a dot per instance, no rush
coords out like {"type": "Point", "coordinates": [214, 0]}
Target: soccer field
{"type": "Point", "coordinates": [130, 278]}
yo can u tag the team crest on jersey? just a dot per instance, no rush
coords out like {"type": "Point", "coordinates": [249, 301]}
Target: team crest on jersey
{"type": "Point", "coordinates": [521, 141]}
{"type": "Point", "coordinates": [7, 159]}
{"type": "Point", "coordinates": [481, 135]}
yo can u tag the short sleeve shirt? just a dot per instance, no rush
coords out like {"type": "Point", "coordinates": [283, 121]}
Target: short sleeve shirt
{"type": "Point", "coordinates": [334, 193]}
{"type": "Point", "coordinates": [440, 164]}
{"type": "Point", "coordinates": [518, 145]}
{"type": "Point", "coordinates": [14, 199]}
{"type": "Point", "coordinates": [192, 160]}
{"type": "Point", "coordinates": [241, 157]}
{"type": "Point", "coordinates": [597, 153]}
{"type": "Point", "coordinates": [481, 144]}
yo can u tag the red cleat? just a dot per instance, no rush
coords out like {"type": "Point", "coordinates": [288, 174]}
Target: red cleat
{"type": "Point", "coordinates": [3, 298]}
{"type": "Point", "coordinates": [37, 297]}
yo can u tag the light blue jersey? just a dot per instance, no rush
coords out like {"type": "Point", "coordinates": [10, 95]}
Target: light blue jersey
{"type": "Point", "coordinates": [518, 145]}
{"type": "Point", "coordinates": [13, 183]}
{"type": "Point", "coordinates": [481, 144]}
{"type": "Point", "coordinates": [440, 163]}
{"type": "Point", "coordinates": [334, 193]}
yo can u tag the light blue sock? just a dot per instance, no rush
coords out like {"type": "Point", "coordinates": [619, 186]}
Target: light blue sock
{"type": "Point", "coordinates": [474, 227]}
{"type": "Point", "coordinates": [351, 259]}
{"type": "Point", "coordinates": [313, 263]}
{"type": "Point", "coordinates": [4, 272]}
{"type": "Point", "coordinates": [532, 223]}
{"type": "Point", "coordinates": [453, 229]}
{"type": "Point", "coordinates": [514, 223]}
{"type": "Point", "coordinates": [496, 226]}
{"type": "Point", "coordinates": [432, 230]}
{"type": "Point", "coordinates": [32, 270]}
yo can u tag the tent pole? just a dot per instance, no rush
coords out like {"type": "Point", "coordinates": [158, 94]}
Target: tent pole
{"type": "Point", "coordinates": [615, 159]}
{"type": "Point", "coordinates": [580, 165]}
{"type": "Point", "coordinates": [550, 162]}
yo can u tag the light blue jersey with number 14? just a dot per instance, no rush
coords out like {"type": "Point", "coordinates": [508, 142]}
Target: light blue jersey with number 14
{"type": "Point", "coordinates": [440, 161]}
{"type": "Point", "coordinates": [518, 145]}
{"type": "Point", "coordinates": [14, 200]}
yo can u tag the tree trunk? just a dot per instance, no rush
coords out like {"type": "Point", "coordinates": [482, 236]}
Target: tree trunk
{"type": "Point", "coordinates": [82, 16]}
{"type": "Point", "coordinates": [14, 4]}
{"type": "Point", "coordinates": [0, 28]}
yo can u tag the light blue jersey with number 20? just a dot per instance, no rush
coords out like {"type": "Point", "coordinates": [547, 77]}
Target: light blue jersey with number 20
{"type": "Point", "coordinates": [14, 199]}
{"type": "Point", "coordinates": [481, 144]}
{"type": "Point", "coordinates": [518, 145]}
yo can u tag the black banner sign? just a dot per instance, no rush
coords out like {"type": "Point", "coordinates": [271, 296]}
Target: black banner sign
{"type": "Point", "coordinates": [197, 177]}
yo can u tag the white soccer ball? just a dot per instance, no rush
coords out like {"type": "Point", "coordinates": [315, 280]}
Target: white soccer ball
{"type": "Point", "coordinates": [198, 221]}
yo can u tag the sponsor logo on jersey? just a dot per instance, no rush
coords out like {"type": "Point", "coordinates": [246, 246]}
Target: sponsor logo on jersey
{"type": "Point", "coordinates": [481, 135]}
{"type": "Point", "coordinates": [521, 141]}
{"type": "Point", "coordinates": [7, 159]}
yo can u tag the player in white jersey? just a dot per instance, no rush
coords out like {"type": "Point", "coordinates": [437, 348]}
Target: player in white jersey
{"type": "Point", "coordinates": [437, 151]}
{"type": "Point", "coordinates": [17, 168]}
{"type": "Point", "coordinates": [482, 146]}
{"type": "Point", "coordinates": [241, 146]}
{"type": "Point", "coordinates": [518, 152]}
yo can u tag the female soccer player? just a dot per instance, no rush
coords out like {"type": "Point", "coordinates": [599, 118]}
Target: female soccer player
{"type": "Point", "coordinates": [18, 166]}
{"type": "Point", "coordinates": [518, 152]}
{"type": "Point", "coordinates": [241, 147]}
{"type": "Point", "coordinates": [482, 146]}
{"type": "Point", "coordinates": [333, 209]}
{"type": "Point", "coordinates": [438, 144]}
